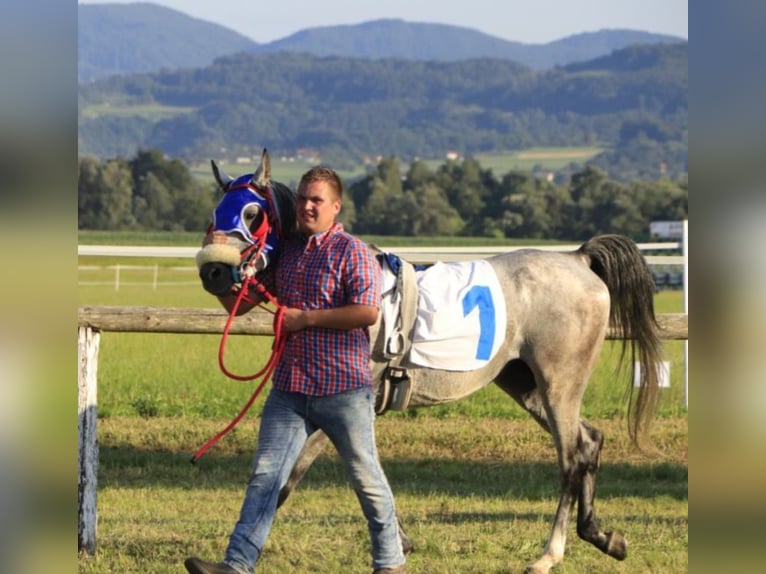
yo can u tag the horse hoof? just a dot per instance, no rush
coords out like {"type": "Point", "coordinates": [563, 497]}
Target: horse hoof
{"type": "Point", "coordinates": [407, 546]}
{"type": "Point", "coordinates": [542, 566]}
{"type": "Point", "coordinates": [616, 545]}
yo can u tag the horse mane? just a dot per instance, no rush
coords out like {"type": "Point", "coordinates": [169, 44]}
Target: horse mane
{"type": "Point", "coordinates": [286, 200]}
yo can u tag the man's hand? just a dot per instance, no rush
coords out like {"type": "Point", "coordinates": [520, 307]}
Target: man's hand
{"type": "Point", "coordinates": [295, 320]}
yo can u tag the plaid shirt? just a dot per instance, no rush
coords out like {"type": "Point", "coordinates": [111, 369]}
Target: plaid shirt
{"type": "Point", "coordinates": [326, 271]}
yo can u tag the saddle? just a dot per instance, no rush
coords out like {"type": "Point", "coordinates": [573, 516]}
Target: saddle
{"type": "Point", "coordinates": [391, 350]}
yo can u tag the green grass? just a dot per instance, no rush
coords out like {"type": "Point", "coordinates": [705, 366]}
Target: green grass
{"type": "Point", "coordinates": [194, 239]}
{"type": "Point", "coordinates": [285, 171]}
{"type": "Point", "coordinates": [289, 171]}
{"type": "Point", "coordinates": [552, 158]}
{"type": "Point", "coordinates": [166, 238]}
{"type": "Point", "coordinates": [154, 112]}
{"type": "Point", "coordinates": [475, 495]}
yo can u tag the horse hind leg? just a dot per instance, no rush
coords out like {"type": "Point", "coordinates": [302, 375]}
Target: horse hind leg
{"type": "Point", "coordinates": [518, 381]}
{"type": "Point", "coordinates": [589, 454]}
{"type": "Point", "coordinates": [579, 449]}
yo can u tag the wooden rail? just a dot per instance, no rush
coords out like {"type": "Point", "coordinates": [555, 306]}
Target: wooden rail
{"type": "Point", "coordinates": [94, 320]}
{"type": "Point", "coordinates": [674, 326]}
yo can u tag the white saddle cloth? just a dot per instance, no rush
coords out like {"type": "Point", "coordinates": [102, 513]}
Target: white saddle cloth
{"type": "Point", "coordinates": [461, 317]}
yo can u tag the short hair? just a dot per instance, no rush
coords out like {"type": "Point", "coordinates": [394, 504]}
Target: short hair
{"type": "Point", "coordinates": [320, 173]}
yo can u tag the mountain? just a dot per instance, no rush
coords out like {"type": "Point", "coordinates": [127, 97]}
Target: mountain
{"type": "Point", "coordinates": [395, 38]}
{"type": "Point", "coordinates": [143, 37]}
{"type": "Point", "coordinates": [634, 99]}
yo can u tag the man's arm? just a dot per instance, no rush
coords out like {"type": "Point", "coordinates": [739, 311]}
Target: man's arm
{"type": "Point", "coordinates": [342, 318]}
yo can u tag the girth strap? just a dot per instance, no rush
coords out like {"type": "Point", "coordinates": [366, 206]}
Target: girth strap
{"type": "Point", "coordinates": [391, 351]}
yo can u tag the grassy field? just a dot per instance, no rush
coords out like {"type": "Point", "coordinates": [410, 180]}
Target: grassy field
{"type": "Point", "coordinates": [285, 170]}
{"type": "Point", "coordinates": [476, 495]}
{"type": "Point", "coordinates": [290, 170]}
{"type": "Point", "coordinates": [475, 481]}
{"type": "Point", "coordinates": [194, 238]}
{"type": "Point", "coordinates": [154, 112]}
{"type": "Point", "coordinates": [553, 158]}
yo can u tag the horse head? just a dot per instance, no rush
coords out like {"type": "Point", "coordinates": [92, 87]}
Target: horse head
{"type": "Point", "coordinates": [253, 216]}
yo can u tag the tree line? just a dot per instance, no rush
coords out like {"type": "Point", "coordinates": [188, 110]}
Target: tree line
{"type": "Point", "coordinates": [151, 192]}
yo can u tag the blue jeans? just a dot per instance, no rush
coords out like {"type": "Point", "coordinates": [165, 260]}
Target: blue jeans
{"type": "Point", "coordinates": [287, 421]}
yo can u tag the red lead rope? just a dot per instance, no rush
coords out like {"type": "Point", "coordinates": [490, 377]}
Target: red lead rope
{"type": "Point", "coordinates": [278, 347]}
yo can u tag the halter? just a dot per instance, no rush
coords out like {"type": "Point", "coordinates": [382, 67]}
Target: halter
{"type": "Point", "coordinates": [258, 240]}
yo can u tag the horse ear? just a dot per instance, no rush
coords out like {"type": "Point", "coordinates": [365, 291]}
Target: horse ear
{"type": "Point", "coordinates": [221, 178]}
{"type": "Point", "coordinates": [262, 175]}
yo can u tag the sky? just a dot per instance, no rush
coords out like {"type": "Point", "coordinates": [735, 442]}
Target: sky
{"type": "Point", "coordinates": [528, 21]}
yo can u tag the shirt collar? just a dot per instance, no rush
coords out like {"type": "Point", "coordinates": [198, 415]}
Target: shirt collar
{"type": "Point", "coordinates": [318, 238]}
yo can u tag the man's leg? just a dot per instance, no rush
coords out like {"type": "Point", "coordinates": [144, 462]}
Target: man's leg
{"type": "Point", "coordinates": [348, 419]}
{"type": "Point", "coordinates": [282, 434]}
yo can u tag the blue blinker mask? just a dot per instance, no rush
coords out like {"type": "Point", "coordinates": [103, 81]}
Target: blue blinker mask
{"type": "Point", "coordinates": [228, 216]}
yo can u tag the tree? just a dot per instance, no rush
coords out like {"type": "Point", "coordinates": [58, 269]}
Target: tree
{"type": "Point", "coordinates": [374, 216]}
{"type": "Point", "coordinates": [533, 207]}
{"type": "Point", "coordinates": [104, 195]}
{"type": "Point", "coordinates": [435, 216]}
{"type": "Point", "coordinates": [419, 174]}
{"type": "Point", "coordinates": [603, 206]}
{"type": "Point", "coordinates": [153, 204]}
{"type": "Point", "coordinates": [463, 184]}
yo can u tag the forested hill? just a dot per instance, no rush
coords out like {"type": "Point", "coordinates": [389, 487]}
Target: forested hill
{"type": "Point", "coordinates": [633, 101]}
{"type": "Point", "coordinates": [118, 39]}
{"type": "Point", "coordinates": [394, 38]}
{"type": "Point", "coordinates": [143, 37]}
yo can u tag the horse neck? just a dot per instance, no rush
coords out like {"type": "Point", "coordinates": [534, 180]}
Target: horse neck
{"type": "Point", "coordinates": [286, 200]}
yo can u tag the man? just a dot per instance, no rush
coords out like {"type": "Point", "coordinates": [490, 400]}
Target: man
{"type": "Point", "coordinates": [330, 283]}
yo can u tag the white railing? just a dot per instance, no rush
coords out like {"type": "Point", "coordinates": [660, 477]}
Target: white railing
{"type": "Point", "coordinates": [416, 255]}
{"type": "Point", "coordinates": [423, 255]}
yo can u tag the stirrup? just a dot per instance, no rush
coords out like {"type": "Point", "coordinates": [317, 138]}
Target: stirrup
{"type": "Point", "coordinates": [395, 390]}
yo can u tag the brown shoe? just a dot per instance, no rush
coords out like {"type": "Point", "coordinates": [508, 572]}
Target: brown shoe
{"type": "Point", "coordinates": [197, 566]}
{"type": "Point", "coordinates": [401, 569]}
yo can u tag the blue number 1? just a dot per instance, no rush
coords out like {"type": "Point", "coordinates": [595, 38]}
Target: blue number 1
{"type": "Point", "coordinates": [480, 296]}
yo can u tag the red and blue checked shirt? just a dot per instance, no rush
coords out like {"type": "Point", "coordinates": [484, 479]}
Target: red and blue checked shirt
{"type": "Point", "coordinates": [326, 271]}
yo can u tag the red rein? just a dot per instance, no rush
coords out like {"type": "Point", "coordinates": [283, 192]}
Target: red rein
{"type": "Point", "coordinates": [277, 348]}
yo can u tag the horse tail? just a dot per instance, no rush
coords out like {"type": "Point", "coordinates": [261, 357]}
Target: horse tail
{"type": "Point", "coordinates": [620, 265]}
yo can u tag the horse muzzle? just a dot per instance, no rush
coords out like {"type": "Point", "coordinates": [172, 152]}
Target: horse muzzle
{"type": "Point", "coordinates": [218, 278]}
{"type": "Point", "coordinates": [218, 265]}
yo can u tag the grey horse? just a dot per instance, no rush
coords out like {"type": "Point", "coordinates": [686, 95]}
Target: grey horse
{"type": "Point", "coordinates": [558, 308]}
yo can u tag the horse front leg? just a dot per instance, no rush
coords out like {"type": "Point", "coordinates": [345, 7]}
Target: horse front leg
{"type": "Point", "coordinates": [554, 549]}
{"type": "Point", "coordinates": [579, 461]}
{"type": "Point", "coordinates": [562, 414]}
{"type": "Point", "coordinates": [314, 446]}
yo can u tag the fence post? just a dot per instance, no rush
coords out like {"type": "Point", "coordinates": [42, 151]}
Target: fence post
{"type": "Point", "coordinates": [686, 309]}
{"type": "Point", "coordinates": [87, 440]}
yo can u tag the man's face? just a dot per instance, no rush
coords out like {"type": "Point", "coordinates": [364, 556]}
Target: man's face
{"type": "Point", "coordinates": [317, 207]}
